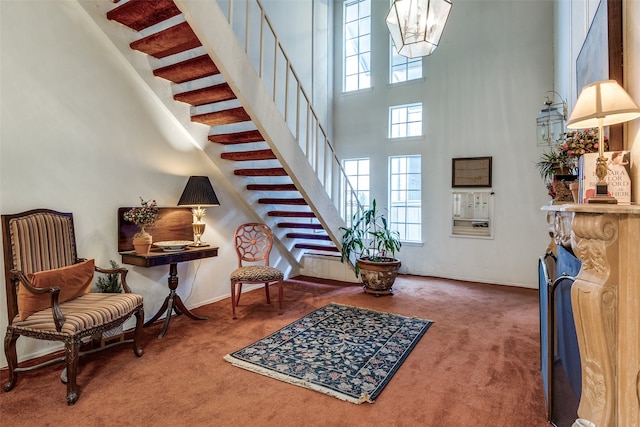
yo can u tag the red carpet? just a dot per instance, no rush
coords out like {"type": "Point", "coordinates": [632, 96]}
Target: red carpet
{"type": "Point", "coordinates": [477, 366]}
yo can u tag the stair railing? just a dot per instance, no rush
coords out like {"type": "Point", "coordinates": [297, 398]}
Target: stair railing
{"type": "Point", "coordinates": [274, 67]}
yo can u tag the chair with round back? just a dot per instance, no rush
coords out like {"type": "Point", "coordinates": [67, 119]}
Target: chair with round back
{"type": "Point", "coordinates": [253, 242]}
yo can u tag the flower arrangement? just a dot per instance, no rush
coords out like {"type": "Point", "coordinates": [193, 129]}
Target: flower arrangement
{"type": "Point", "coordinates": [144, 216]}
{"type": "Point", "coordinates": [563, 156]}
{"type": "Point", "coordinates": [576, 143]}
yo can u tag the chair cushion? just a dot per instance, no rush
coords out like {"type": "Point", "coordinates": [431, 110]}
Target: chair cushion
{"type": "Point", "coordinates": [256, 273]}
{"type": "Point", "coordinates": [83, 313]}
{"type": "Point", "coordinates": [74, 280]}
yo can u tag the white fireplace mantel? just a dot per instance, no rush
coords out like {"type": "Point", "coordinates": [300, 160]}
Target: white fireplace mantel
{"type": "Point", "coordinates": [606, 306]}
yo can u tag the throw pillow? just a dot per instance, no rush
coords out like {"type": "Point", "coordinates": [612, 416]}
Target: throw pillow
{"type": "Point", "coordinates": [74, 280]}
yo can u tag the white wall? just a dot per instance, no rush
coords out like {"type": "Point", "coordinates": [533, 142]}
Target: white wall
{"type": "Point", "coordinates": [573, 18]}
{"type": "Point", "coordinates": [81, 132]}
{"type": "Point", "coordinates": [482, 91]}
{"type": "Point", "coordinates": [309, 51]}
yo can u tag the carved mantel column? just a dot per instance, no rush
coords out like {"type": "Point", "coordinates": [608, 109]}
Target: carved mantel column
{"type": "Point", "coordinates": [606, 306]}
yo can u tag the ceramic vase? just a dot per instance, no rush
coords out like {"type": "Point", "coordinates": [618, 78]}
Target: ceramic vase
{"type": "Point", "coordinates": [142, 242]}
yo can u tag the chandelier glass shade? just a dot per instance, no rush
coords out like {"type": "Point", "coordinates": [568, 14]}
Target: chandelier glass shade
{"type": "Point", "coordinates": [417, 25]}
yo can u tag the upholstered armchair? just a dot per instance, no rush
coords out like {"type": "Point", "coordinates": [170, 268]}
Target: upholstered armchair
{"type": "Point", "coordinates": [48, 296]}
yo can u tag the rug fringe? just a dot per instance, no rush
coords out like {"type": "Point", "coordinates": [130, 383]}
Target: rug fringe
{"type": "Point", "coordinates": [296, 381]}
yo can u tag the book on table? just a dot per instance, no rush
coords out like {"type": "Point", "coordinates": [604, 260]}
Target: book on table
{"type": "Point", "coordinates": [618, 176]}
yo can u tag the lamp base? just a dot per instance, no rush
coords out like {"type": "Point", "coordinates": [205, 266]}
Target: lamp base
{"type": "Point", "coordinates": [198, 231]}
{"type": "Point", "coordinates": [199, 245]}
{"type": "Point", "coordinates": [603, 199]}
{"type": "Point", "coordinates": [602, 196]}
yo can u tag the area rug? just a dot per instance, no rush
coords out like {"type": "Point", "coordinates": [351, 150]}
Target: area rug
{"type": "Point", "coordinates": [347, 352]}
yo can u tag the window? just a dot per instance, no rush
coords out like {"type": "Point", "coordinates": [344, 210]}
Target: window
{"type": "Point", "coordinates": [405, 120]}
{"type": "Point", "coordinates": [357, 171]}
{"type": "Point", "coordinates": [357, 44]}
{"type": "Point", "coordinates": [403, 68]}
{"type": "Point", "coordinates": [405, 197]}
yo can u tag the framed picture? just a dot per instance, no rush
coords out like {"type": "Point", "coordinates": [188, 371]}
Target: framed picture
{"type": "Point", "coordinates": [471, 172]}
{"type": "Point", "coordinates": [600, 57]}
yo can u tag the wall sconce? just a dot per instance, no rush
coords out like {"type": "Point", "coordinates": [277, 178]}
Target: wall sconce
{"type": "Point", "coordinates": [550, 121]}
{"type": "Point", "coordinates": [602, 104]}
{"type": "Point", "coordinates": [416, 25]}
{"type": "Point", "coordinates": [197, 193]}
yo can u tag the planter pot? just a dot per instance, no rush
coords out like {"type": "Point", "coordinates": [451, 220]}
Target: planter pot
{"type": "Point", "coordinates": [574, 186]}
{"type": "Point", "coordinates": [142, 242]}
{"type": "Point", "coordinates": [378, 277]}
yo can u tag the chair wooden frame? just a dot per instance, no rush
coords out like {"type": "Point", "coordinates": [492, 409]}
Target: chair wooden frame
{"type": "Point", "coordinates": [253, 243]}
{"type": "Point", "coordinates": [15, 277]}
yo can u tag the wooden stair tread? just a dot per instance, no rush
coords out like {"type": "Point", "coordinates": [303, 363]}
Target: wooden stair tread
{"type": "Point", "coordinates": [309, 236]}
{"type": "Point", "coordinates": [141, 14]}
{"type": "Point", "coordinates": [241, 156]}
{"type": "Point", "coordinates": [309, 225]}
{"type": "Point", "coordinates": [218, 93]}
{"type": "Point", "coordinates": [291, 214]}
{"type": "Point", "coordinates": [272, 187]}
{"type": "Point", "coordinates": [260, 172]}
{"type": "Point", "coordinates": [316, 247]}
{"type": "Point", "coordinates": [168, 42]}
{"type": "Point", "coordinates": [190, 69]}
{"type": "Point", "coordinates": [282, 201]}
{"type": "Point", "coordinates": [217, 118]}
{"type": "Point", "coordinates": [237, 137]}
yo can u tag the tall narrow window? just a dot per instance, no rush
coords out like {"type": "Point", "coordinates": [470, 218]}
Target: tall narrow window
{"type": "Point", "coordinates": [405, 196]}
{"type": "Point", "coordinates": [357, 171]}
{"type": "Point", "coordinates": [403, 68]}
{"type": "Point", "coordinates": [357, 44]}
{"type": "Point", "coordinates": [405, 120]}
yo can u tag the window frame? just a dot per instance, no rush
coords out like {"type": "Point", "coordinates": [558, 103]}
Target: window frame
{"type": "Point", "coordinates": [395, 206]}
{"type": "Point", "coordinates": [407, 123]}
{"type": "Point", "coordinates": [356, 188]}
{"type": "Point", "coordinates": [393, 53]}
{"type": "Point", "coordinates": [359, 53]}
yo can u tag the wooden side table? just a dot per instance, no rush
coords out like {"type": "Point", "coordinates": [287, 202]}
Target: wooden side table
{"type": "Point", "coordinates": [172, 224]}
{"type": "Point", "coordinates": [156, 257]}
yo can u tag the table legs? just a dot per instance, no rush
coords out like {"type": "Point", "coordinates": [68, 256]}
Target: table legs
{"type": "Point", "coordinates": [172, 303]}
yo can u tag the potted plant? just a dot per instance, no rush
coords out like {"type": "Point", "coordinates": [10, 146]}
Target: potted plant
{"type": "Point", "coordinates": [560, 163]}
{"type": "Point", "coordinates": [553, 162]}
{"type": "Point", "coordinates": [371, 245]}
{"type": "Point", "coordinates": [144, 216]}
{"type": "Point", "coordinates": [109, 283]}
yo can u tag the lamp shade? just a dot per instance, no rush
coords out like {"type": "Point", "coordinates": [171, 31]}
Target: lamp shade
{"type": "Point", "coordinates": [416, 25]}
{"type": "Point", "coordinates": [605, 100]}
{"type": "Point", "coordinates": [198, 192]}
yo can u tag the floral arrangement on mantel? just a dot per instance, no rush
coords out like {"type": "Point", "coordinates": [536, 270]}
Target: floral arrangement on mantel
{"type": "Point", "coordinates": [562, 158]}
{"type": "Point", "coordinates": [144, 216]}
{"type": "Point", "coordinates": [576, 143]}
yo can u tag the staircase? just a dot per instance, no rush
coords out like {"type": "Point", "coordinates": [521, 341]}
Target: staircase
{"type": "Point", "coordinates": [266, 158]}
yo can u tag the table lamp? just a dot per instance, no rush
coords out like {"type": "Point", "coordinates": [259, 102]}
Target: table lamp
{"type": "Point", "coordinates": [198, 193]}
{"type": "Point", "coordinates": [602, 104]}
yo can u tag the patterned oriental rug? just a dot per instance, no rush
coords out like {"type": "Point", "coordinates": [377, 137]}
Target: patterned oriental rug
{"type": "Point", "coordinates": [347, 352]}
